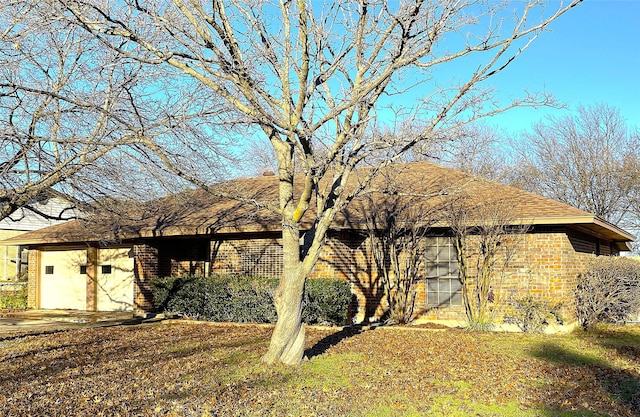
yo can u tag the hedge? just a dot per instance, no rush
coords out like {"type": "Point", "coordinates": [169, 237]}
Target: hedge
{"type": "Point", "coordinates": [244, 299]}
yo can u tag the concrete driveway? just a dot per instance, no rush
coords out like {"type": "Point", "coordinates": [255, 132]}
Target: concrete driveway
{"type": "Point", "coordinates": [45, 321]}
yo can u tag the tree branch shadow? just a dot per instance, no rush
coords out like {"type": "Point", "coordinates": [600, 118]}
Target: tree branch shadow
{"type": "Point", "coordinates": [324, 344]}
{"type": "Point", "coordinates": [621, 385]}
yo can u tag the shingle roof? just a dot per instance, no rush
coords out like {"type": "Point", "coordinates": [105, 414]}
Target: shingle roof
{"type": "Point", "coordinates": [419, 184]}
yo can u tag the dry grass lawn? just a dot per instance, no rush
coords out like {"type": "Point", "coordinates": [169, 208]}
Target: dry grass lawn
{"type": "Point", "coordinates": [184, 368]}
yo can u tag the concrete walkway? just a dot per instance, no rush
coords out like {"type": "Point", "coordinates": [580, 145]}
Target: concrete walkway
{"type": "Point", "coordinates": [45, 321]}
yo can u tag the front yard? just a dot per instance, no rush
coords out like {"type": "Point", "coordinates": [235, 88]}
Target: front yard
{"type": "Point", "coordinates": [184, 368]}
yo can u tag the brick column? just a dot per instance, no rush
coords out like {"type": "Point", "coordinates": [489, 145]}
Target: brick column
{"type": "Point", "coordinates": [92, 279]}
{"type": "Point", "coordinates": [32, 278]}
{"type": "Point", "coordinates": [146, 268]}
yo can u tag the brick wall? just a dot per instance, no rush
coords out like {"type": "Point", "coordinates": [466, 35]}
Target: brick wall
{"type": "Point", "coordinates": [349, 256]}
{"type": "Point", "coordinates": [145, 269]}
{"type": "Point", "coordinates": [32, 285]}
{"type": "Point", "coordinates": [345, 256]}
{"type": "Point", "coordinates": [252, 257]}
{"type": "Point", "coordinates": [545, 264]}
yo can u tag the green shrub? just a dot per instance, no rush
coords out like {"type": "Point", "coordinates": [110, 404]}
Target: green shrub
{"type": "Point", "coordinates": [14, 300]}
{"type": "Point", "coordinates": [217, 298]}
{"type": "Point", "coordinates": [326, 301]}
{"type": "Point", "coordinates": [247, 299]}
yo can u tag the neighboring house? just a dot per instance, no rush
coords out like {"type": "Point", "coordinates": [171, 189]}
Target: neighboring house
{"type": "Point", "coordinates": [43, 212]}
{"type": "Point", "coordinates": [109, 264]}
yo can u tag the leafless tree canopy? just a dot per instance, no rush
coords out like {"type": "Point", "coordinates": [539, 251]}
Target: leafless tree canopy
{"type": "Point", "coordinates": [329, 84]}
{"type": "Point", "coordinates": [478, 149]}
{"type": "Point", "coordinates": [589, 160]}
{"type": "Point", "coordinates": [73, 113]}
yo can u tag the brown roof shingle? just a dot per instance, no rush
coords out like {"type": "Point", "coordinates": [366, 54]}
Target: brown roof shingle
{"type": "Point", "coordinates": [420, 184]}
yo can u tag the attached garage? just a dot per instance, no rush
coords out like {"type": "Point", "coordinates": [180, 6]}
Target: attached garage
{"type": "Point", "coordinates": [63, 279]}
{"type": "Point", "coordinates": [86, 279]}
{"type": "Point", "coordinates": [115, 280]}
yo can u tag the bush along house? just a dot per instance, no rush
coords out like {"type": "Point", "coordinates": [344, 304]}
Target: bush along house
{"type": "Point", "coordinates": [436, 228]}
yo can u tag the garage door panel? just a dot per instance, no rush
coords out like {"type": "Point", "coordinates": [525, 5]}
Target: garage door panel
{"type": "Point", "coordinates": [115, 280]}
{"type": "Point", "coordinates": [62, 283]}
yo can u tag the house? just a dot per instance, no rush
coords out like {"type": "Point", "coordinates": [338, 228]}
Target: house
{"type": "Point", "coordinates": [107, 263]}
{"type": "Point", "coordinates": [41, 213]}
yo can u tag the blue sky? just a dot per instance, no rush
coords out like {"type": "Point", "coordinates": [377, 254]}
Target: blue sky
{"type": "Point", "coordinates": [589, 55]}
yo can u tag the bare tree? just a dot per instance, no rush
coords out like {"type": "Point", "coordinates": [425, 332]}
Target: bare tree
{"type": "Point", "coordinates": [260, 158]}
{"type": "Point", "coordinates": [476, 149]}
{"type": "Point", "coordinates": [72, 113]}
{"type": "Point", "coordinates": [319, 80]}
{"type": "Point", "coordinates": [54, 92]}
{"type": "Point", "coordinates": [589, 160]}
{"type": "Point", "coordinates": [486, 237]}
{"type": "Point", "coordinates": [397, 223]}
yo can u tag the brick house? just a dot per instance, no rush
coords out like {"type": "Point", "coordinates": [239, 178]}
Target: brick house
{"type": "Point", "coordinates": [108, 264]}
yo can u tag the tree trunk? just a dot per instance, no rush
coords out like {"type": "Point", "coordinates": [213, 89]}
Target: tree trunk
{"type": "Point", "coordinates": [288, 338]}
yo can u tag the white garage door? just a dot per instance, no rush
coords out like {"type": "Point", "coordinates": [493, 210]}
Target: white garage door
{"type": "Point", "coordinates": [63, 284]}
{"type": "Point", "coordinates": [115, 280]}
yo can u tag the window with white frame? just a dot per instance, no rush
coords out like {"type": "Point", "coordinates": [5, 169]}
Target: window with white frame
{"type": "Point", "coordinates": [443, 285]}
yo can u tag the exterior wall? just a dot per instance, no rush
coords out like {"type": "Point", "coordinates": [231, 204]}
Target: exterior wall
{"type": "Point", "coordinates": [23, 219]}
{"type": "Point", "coordinates": [145, 269]}
{"type": "Point", "coordinates": [33, 277]}
{"type": "Point", "coordinates": [349, 256]}
{"type": "Point", "coordinates": [543, 264]}
{"type": "Point", "coordinates": [256, 256]}
{"type": "Point", "coordinates": [345, 256]}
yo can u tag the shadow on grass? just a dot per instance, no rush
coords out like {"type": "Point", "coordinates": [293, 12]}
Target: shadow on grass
{"type": "Point", "coordinates": [626, 343]}
{"type": "Point", "coordinates": [333, 339]}
{"type": "Point", "coordinates": [621, 386]}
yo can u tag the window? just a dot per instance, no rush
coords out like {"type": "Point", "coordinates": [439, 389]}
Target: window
{"type": "Point", "coordinates": [443, 284]}
{"type": "Point", "coordinates": [83, 269]}
{"type": "Point", "coordinates": [48, 269]}
{"type": "Point", "coordinates": [106, 269]}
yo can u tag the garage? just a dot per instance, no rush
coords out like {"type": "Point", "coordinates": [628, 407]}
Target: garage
{"type": "Point", "coordinates": [66, 279]}
{"type": "Point", "coordinates": [115, 280]}
{"type": "Point", "coordinates": [63, 279]}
